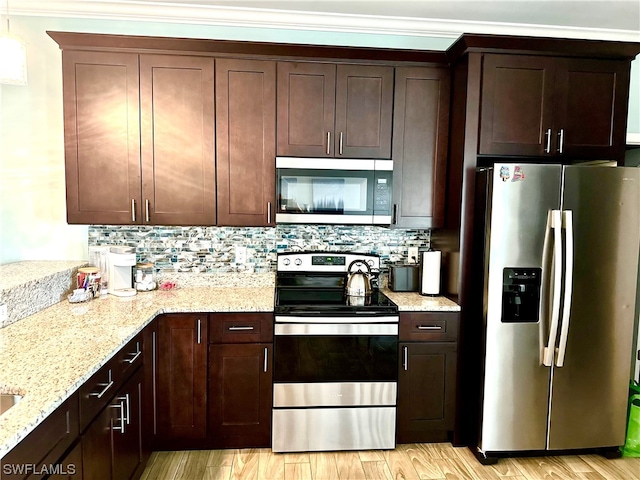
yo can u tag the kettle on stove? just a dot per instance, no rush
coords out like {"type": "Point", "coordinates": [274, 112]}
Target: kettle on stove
{"type": "Point", "coordinates": [358, 281]}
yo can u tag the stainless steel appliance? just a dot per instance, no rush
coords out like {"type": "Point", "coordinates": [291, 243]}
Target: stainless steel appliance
{"type": "Point", "coordinates": [560, 268]}
{"type": "Point", "coordinates": [335, 361]}
{"type": "Point", "coordinates": [345, 191]}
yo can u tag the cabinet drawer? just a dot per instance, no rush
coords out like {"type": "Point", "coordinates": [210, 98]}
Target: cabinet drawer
{"type": "Point", "coordinates": [240, 327]}
{"type": "Point", "coordinates": [429, 326]}
{"type": "Point", "coordinates": [96, 392]}
{"type": "Point", "coordinates": [47, 443]}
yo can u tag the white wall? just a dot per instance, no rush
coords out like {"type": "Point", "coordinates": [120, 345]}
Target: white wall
{"type": "Point", "coordinates": [32, 199]}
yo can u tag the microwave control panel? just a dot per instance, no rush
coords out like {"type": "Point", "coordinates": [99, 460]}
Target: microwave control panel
{"type": "Point", "coordinates": [382, 194]}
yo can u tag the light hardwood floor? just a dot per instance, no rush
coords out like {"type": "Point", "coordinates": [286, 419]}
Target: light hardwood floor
{"type": "Point", "coordinates": [434, 461]}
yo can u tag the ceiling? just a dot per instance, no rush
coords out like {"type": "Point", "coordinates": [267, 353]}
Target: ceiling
{"type": "Point", "coordinates": [603, 19]}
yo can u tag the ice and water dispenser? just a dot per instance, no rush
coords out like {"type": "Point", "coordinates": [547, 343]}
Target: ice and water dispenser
{"type": "Point", "coordinates": [521, 295]}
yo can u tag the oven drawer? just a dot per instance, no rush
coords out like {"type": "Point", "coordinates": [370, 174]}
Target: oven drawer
{"type": "Point", "coordinates": [334, 394]}
{"type": "Point", "coordinates": [327, 429]}
{"type": "Point", "coordinates": [241, 328]}
{"type": "Point", "coordinates": [429, 326]}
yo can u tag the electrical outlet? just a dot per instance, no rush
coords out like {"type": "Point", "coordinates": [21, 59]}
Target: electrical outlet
{"type": "Point", "coordinates": [412, 255]}
{"type": "Point", "coordinates": [241, 254]}
{"type": "Point", "coordinates": [3, 312]}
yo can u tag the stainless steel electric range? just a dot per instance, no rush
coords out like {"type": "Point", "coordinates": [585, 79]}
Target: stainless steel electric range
{"type": "Point", "coordinates": [335, 358]}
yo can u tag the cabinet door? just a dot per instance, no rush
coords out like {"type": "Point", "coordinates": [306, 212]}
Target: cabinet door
{"type": "Point", "coordinates": [245, 141]}
{"type": "Point", "coordinates": [364, 110]}
{"type": "Point", "coordinates": [97, 455]}
{"type": "Point", "coordinates": [182, 379]}
{"type": "Point", "coordinates": [517, 103]}
{"type": "Point", "coordinates": [240, 395]}
{"type": "Point", "coordinates": [420, 133]}
{"type": "Point", "coordinates": [102, 137]}
{"type": "Point", "coordinates": [127, 428]}
{"type": "Point", "coordinates": [426, 392]}
{"type": "Point", "coordinates": [590, 113]}
{"type": "Point", "coordinates": [70, 467]}
{"type": "Point", "coordinates": [178, 155]}
{"type": "Point", "coordinates": [306, 106]}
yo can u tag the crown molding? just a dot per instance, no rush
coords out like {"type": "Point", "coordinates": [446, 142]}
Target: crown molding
{"type": "Point", "coordinates": [199, 14]}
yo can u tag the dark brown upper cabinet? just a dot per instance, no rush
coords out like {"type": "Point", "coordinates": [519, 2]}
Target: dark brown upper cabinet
{"type": "Point", "coordinates": [102, 136]}
{"type": "Point", "coordinates": [420, 133]}
{"type": "Point", "coordinates": [328, 110]}
{"type": "Point", "coordinates": [556, 107]}
{"type": "Point", "coordinates": [245, 141]}
{"type": "Point", "coordinates": [178, 154]}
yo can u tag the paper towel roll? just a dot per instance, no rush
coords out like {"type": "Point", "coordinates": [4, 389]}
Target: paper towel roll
{"type": "Point", "coordinates": [430, 276]}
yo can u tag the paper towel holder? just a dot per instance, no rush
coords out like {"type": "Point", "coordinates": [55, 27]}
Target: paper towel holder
{"type": "Point", "coordinates": [430, 269]}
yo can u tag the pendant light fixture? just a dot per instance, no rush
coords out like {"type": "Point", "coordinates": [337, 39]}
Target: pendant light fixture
{"type": "Point", "coordinates": [13, 57]}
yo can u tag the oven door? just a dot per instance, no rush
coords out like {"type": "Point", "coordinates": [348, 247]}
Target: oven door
{"type": "Point", "coordinates": [355, 191]}
{"type": "Point", "coordinates": [337, 352]}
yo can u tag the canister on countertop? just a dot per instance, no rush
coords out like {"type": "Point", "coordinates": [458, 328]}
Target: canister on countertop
{"type": "Point", "coordinates": [145, 277]}
{"type": "Point", "coordinates": [88, 278]}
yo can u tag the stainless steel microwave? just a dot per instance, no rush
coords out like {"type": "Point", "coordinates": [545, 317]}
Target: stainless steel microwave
{"type": "Point", "coordinates": [338, 191]}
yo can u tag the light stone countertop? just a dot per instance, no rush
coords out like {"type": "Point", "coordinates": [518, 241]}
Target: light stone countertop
{"type": "Point", "coordinates": [414, 302]}
{"type": "Point", "coordinates": [48, 355]}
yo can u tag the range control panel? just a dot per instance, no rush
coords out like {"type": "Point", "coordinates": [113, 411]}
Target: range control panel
{"type": "Point", "coordinates": [323, 262]}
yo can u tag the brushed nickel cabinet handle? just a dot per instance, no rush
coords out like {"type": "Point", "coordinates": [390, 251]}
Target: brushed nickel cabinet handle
{"type": "Point", "coordinates": [547, 148]}
{"type": "Point", "coordinates": [199, 328]}
{"type": "Point", "coordinates": [133, 210]}
{"type": "Point", "coordinates": [146, 210]}
{"type": "Point", "coordinates": [135, 354]}
{"type": "Point", "coordinates": [269, 213]}
{"type": "Point", "coordinates": [328, 142]}
{"type": "Point", "coordinates": [239, 328]}
{"type": "Point", "coordinates": [405, 358]}
{"type": "Point", "coordinates": [266, 353]}
{"type": "Point", "coordinates": [340, 143]}
{"type": "Point", "coordinates": [429, 327]}
{"type": "Point", "coordinates": [106, 386]}
{"type": "Point", "coordinates": [121, 419]}
{"type": "Point", "coordinates": [561, 141]}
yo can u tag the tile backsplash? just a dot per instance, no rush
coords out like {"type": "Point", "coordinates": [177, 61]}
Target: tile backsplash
{"type": "Point", "coordinates": [212, 249]}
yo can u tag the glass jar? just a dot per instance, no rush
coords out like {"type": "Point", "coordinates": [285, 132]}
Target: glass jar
{"type": "Point", "coordinates": [145, 277]}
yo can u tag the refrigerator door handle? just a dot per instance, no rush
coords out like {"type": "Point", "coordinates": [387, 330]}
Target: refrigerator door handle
{"type": "Point", "coordinates": [545, 286]}
{"type": "Point", "coordinates": [556, 226]}
{"type": "Point", "coordinates": [567, 222]}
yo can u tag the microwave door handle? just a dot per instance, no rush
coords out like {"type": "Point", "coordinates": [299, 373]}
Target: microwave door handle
{"type": "Point", "coordinates": [567, 220]}
{"type": "Point", "coordinates": [556, 225]}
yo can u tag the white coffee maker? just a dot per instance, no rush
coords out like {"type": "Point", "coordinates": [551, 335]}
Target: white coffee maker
{"type": "Point", "coordinates": [122, 262]}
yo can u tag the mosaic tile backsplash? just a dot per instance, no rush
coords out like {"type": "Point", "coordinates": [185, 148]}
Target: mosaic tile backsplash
{"type": "Point", "coordinates": [212, 249]}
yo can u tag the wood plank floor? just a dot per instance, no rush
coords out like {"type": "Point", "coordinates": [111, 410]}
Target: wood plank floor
{"type": "Point", "coordinates": [434, 461]}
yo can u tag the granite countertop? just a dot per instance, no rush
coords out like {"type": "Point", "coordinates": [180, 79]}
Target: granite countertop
{"type": "Point", "coordinates": [49, 354]}
{"type": "Point", "coordinates": [414, 302]}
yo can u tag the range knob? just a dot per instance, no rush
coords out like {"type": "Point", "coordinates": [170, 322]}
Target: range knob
{"type": "Point", "coordinates": [286, 261]}
{"type": "Point", "coordinates": [298, 261]}
{"type": "Point", "coordinates": [370, 262]}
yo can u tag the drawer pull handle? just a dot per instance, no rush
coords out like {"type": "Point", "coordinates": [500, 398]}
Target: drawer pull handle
{"type": "Point", "coordinates": [235, 329]}
{"type": "Point", "coordinates": [106, 386]}
{"type": "Point", "coordinates": [429, 327]}
{"type": "Point", "coordinates": [135, 357]}
{"type": "Point", "coordinates": [135, 354]}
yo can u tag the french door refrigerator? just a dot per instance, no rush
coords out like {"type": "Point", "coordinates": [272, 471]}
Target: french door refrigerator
{"type": "Point", "coordinates": [560, 271]}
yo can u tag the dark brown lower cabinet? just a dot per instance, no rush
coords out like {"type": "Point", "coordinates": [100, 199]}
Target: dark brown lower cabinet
{"type": "Point", "coordinates": [240, 401]}
{"type": "Point", "coordinates": [426, 391]}
{"type": "Point", "coordinates": [181, 381]}
{"type": "Point", "coordinates": [70, 467]}
{"type": "Point", "coordinates": [112, 444]}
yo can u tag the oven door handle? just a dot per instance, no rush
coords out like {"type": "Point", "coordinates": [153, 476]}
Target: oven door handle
{"type": "Point", "coordinates": [318, 319]}
{"type": "Point", "coordinates": [298, 329]}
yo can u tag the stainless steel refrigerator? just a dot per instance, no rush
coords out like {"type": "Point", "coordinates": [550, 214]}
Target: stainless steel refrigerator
{"type": "Point", "coordinates": [560, 267]}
